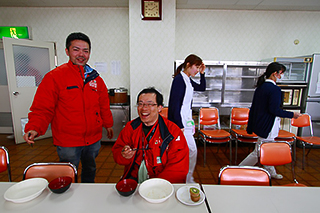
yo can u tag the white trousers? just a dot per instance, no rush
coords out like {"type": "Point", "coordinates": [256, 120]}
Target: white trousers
{"type": "Point", "coordinates": [252, 158]}
{"type": "Point", "coordinates": [192, 154]}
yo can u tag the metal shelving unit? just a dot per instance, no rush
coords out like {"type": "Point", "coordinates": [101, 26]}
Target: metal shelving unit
{"type": "Point", "coordinates": [229, 83]}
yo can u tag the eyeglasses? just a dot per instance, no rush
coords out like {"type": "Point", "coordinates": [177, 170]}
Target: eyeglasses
{"type": "Point", "coordinates": [147, 105]}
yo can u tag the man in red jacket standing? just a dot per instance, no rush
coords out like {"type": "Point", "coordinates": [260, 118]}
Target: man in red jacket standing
{"type": "Point", "coordinates": [74, 99]}
{"type": "Point", "coordinates": [151, 146]}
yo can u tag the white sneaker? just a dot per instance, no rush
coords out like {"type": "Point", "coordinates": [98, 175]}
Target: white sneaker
{"type": "Point", "coordinates": [10, 137]}
{"type": "Point", "coordinates": [277, 176]}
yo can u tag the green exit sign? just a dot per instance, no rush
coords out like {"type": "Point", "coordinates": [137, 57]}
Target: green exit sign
{"type": "Point", "coordinates": [14, 32]}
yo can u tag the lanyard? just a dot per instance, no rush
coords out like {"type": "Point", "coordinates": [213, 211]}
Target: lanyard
{"type": "Point", "coordinates": [146, 147]}
{"type": "Point", "coordinates": [149, 136]}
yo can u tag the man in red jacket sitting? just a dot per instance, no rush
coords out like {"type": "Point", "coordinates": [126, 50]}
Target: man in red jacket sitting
{"type": "Point", "coordinates": [74, 99]}
{"type": "Point", "coordinates": [151, 146]}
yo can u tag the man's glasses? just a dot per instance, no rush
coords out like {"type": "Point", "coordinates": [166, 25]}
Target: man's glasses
{"type": "Point", "coordinates": [146, 105]}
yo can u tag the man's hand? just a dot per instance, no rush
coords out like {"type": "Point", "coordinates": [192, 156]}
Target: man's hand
{"type": "Point", "coordinates": [110, 132]}
{"type": "Point", "coordinates": [127, 152]}
{"type": "Point", "coordinates": [29, 136]}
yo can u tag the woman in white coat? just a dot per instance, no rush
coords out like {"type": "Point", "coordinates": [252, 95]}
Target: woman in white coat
{"type": "Point", "coordinates": [180, 103]}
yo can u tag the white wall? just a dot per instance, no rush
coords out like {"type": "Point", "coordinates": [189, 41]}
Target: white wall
{"type": "Point", "coordinates": [107, 28]}
{"type": "Point", "coordinates": [246, 35]}
{"type": "Point", "coordinates": [147, 50]}
{"type": "Point", "coordinates": [151, 51]}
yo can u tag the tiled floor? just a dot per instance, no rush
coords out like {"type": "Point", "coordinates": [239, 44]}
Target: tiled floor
{"type": "Point", "coordinates": [23, 155]}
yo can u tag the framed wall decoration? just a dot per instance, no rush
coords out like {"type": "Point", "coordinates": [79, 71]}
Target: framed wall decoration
{"type": "Point", "coordinates": [151, 9]}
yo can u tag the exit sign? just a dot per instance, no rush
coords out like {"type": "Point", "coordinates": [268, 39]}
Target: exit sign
{"type": "Point", "coordinates": [14, 32]}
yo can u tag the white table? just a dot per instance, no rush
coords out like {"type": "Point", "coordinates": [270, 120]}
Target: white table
{"type": "Point", "coordinates": [93, 198]}
{"type": "Point", "coordinates": [262, 199]}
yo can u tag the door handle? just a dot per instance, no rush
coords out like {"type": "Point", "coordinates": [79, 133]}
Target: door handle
{"type": "Point", "coordinates": [16, 93]}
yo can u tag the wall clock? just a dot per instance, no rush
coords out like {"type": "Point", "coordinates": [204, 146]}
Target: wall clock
{"type": "Point", "coordinates": [151, 10]}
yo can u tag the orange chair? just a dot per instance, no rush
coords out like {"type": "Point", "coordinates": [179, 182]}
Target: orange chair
{"type": "Point", "coordinates": [289, 137]}
{"type": "Point", "coordinates": [286, 135]}
{"type": "Point", "coordinates": [244, 175]}
{"type": "Point", "coordinates": [305, 121]}
{"type": "Point", "coordinates": [238, 121]}
{"type": "Point", "coordinates": [4, 161]}
{"type": "Point", "coordinates": [209, 118]}
{"type": "Point", "coordinates": [51, 171]}
{"type": "Point", "coordinates": [275, 154]}
{"type": "Point", "coordinates": [164, 112]}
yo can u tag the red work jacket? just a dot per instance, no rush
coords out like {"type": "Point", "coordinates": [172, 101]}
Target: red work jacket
{"type": "Point", "coordinates": [166, 156]}
{"type": "Point", "coordinates": [77, 108]}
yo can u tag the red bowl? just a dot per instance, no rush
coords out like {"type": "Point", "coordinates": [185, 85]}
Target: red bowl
{"type": "Point", "coordinates": [60, 184]}
{"type": "Point", "coordinates": [126, 187]}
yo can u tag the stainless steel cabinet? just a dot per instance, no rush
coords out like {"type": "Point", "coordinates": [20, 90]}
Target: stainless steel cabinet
{"type": "Point", "coordinates": [297, 69]}
{"type": "Point", "coordinates": [229, 83]}
{"type": "Point", "coordinates": [121, 116]}
{"type": "Point", "coordinates": [240, 82]}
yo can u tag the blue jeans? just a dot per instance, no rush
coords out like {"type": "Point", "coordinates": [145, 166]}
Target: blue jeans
{"type": "Point", "coordinates": [87, 155]}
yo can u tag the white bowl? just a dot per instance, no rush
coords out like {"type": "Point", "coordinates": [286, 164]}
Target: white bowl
{"type": "Point", "coordinates": [156, 190]}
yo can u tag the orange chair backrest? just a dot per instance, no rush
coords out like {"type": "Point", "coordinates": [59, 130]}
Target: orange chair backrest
{"type": "Point", "coordinates": [244, 176]}
{"type": "Point", "coordinates": [164, 112]}
{"type": "Point", "coordinates": [239, 116]}
{"type": "Point", "coordinates": [50, 171]}
{"type": "Point", "coordinates": [275, 153]}
{"type": "Point", "coordinates": [208, 116]}
{"type": "Point", "coordinates": [3, 160]}
{"type": "Point", "coordinates": [302, 121]}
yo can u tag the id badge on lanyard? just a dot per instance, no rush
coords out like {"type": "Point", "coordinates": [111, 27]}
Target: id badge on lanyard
{"type": "Point", "coordinates": [156, 144]}
{"type": "Point", "coordinates": [191, 126]}
{"type": "Point", "coordinates": [143, 171]}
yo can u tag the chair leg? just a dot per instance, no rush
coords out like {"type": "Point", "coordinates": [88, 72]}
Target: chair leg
{"type": "Point", "coordinates": [295, 150]}
{"type": "Point", "coordinates": [236, 154]}
{"type": "Point", "coordinates": [309, 150]}
{"type": "Point", "coordinates": [303, 154]}
{"type": "Point", "coordinates": [226, 148]}
{"type": "Point", "coordinates": [230, 144]}
{"type": "Point", "coordinates": [293, 172]}
{"type": "Point", "coordinates": [204, 153]}
{"type": "Point", "coordinates": [9, 173]}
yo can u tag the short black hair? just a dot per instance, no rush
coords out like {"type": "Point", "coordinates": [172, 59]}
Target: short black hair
{"type": "Point", "coordinates": [159, 96]}
{"type": "Point", "coordinates": [77, 36]}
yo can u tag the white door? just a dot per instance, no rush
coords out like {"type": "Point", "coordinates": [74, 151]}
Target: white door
{"type": "Point", "coordinates": [5, 111]}
{"type": "Point", "coordinates": [26, 63]}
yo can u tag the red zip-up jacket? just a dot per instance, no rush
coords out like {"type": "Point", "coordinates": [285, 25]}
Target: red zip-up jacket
{"type": "Point", "coordinates": [77, 108]}
{"type": "Point", "coordinates": [167, 155]}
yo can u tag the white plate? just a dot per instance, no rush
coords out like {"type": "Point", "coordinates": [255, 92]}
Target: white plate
{"type": "Point", "coordinates": [183, 195]}
{"type": "Point", "coordinates": [26, 190]}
